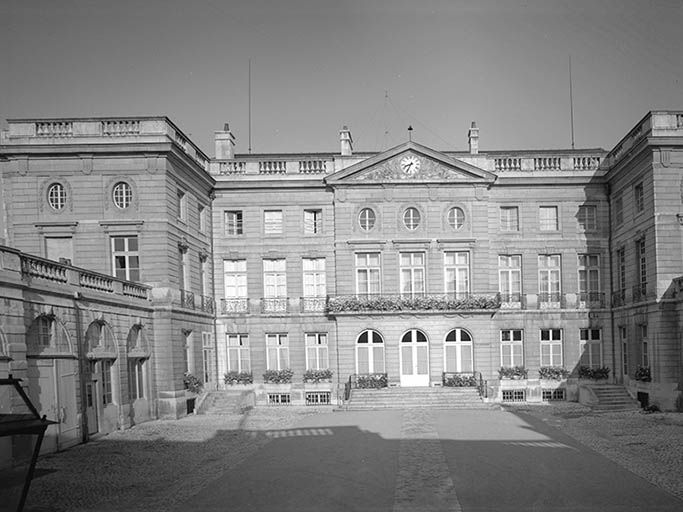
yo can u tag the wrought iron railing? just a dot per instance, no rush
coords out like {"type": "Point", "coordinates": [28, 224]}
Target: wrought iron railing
{"type": "Point", "coordinates": [275, 304]}
{"type": "Point", "coordinates": [313, 304]}
{"type": "Point", "coordinates": [512, 301]}
{"type": "Point", "coordinates": [591, 300]}
{"type": "Point", "coordinates": [234, 305]}
{"type": "Point", "coordinates": [208, 304]}
{"type": "Point", "coordinates": [187, 299]}
{"type": "Point", "coordinates": [553, 300]}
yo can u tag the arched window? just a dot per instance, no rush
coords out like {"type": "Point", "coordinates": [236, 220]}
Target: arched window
{"type": "Point", "coordinates": [369, 353]}
{"type": "Point", "coordinates": [100, 341]}
{"type": "Point", "coordinates": [458, 351]}
{"type": "Point", "coordinates": [47, 335]}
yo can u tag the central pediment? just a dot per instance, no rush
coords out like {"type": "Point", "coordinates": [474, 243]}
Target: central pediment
{"type": "Point", "coordinates": [411, 163]}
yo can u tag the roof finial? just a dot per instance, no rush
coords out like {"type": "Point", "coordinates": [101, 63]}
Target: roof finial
{"type": "Point", "coordinates": [410, 133]}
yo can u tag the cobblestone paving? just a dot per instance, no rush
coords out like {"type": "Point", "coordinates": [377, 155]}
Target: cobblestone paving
{"type": "Point", "coordinates": [156, 464]}
{"type": "Point", "coordinates": [649, 445]}
{"type": "Point", "coordinates": [423, 476]}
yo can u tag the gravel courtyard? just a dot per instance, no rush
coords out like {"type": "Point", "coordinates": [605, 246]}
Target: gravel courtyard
{"type": "Point", "coordinates": [157, 464]}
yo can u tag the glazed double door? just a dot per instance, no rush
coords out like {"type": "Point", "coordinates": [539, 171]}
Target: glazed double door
{"type": "Point", "coordinates": [414, 359]}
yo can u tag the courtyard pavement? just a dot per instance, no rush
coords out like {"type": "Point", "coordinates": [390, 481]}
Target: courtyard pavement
{"type": "Point", "coordinates": [524, 458]}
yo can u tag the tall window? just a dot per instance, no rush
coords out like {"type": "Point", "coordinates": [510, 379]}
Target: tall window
{"type": "Point", "coordinates": [510, 277]}
{"type": "Point", "coordinates": [369, 353]}
{"type": "Point", "coordinates": [548, 218]}
{"type": "Point", "coordinates": [136, 378]}
{"type": "Point", "coordinates": [274, 278]}
{"type": "Point", "coordinates": [511, 348]}
{"type": "Point", "coordinates": [238, 353]}
{"type": "Point", "coordinates": [316, 351]}
{"type": "Point", "coordinates": [202, 218]}
{"type": "Point", "coordinates": [272, 222]}
{"type": "Point", "coordinates": [412, 273]}
{"type": "Point", "coordinates": [233, 222]}
{"type": "Point", "coordinates": [644, 345]}
{"type": "Point", "coordinates": [591, 348]}
{"type": "Point", "coordinates": [638, 198]}
{"type": "Point", "coordinates": [641, 262]}
{"type": "Point", "coordinates": [235, 275]}
{"type": "Point", "coordinates": [551, 347]}
{"type": "Point", "coordinates": [184, 271]}
{"type": "Point", "coordinates": [208, 357]}
{"type": "Point", "coordinates": [623, 335]}
{"type": "Point", "coordinates": [314, 277]}
{"type": "Point", "coordinates": [457, 273]}
{"type": "Point", "coordinates": [107, 394]}
{"type": "Point", "coordinates": [411, 218]}
{"type": "Point", "coordinates": [458, 351]}
{"type": "Point", "coordinates": [509, 218]}
{"type": "Point", "coordinates": [181, 205]}
{"type": "Point", "coordinates": [549, 277]}
{"type": "Point", "coordinates": [277, 349]}
{"type": "Point", "coordinates": [313, 222]}
{"type": "Point", "coordinates": [46, 330]}
{"type": "Point", "coordinates": [588, 218]}
{"type": "Point", "coordinates": [589, 276]}
{"type": "Point", "coordinates": [125, 258]}
{"type": "Point", "coordinates": [368, 272]}
{"type": "Point", "coordinates": [366, 219]}
{"type": "Point", "coordinates": [621, 273]}
{"type": "Point", "coordinates": [204, 282]}
{"type": "Point", "coordinates": [618, 209]}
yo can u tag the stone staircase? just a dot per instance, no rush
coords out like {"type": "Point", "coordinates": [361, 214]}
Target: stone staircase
{"type": "Point", "coordinates": [227, 402]}
{"type": "Point", "coordinates": [413, 398]}
{"type": "Point", "coordinates": [612, 397]}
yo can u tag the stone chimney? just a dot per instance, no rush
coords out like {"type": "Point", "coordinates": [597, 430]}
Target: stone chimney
{"type": "Point", "coordinates": [346, 141]}
{"type": "Point", "coordinates": [473, 136]}
{"type": "Point", "coordinates": [225, 144]}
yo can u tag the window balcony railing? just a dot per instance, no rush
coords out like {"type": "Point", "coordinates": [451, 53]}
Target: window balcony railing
{"type": "Point", "coordinates": [186, 299]}
{"type": "Point", "coordinates": [512, 301]}
{"type": "Point", "coordinates": [234, 305]}
{"type": "Point", "coordinates": [639, 292]}
{"type": "Point", "coordinates": [208, 304]}
{"type": "Point", "coordinates": [588, 300]}
{"type": "Point", "coordinates": [390, 303]}
{"type": "Point", "coordinates": [618, 298]}
{"type": "Point", "coordinates": [274, 305]}
{"type": "Point", "coordinates": [554, 300]}
{"type": "Point", "coordinates": [313, 304]}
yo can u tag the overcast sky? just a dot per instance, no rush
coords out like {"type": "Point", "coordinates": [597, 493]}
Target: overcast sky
{"type": "Point", "coordinates": [318, 65]}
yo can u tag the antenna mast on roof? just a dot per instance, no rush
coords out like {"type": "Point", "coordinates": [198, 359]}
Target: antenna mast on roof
{"type": "Point", "coordinates": [249, 88]}
{"type": "Point", "coordinates": [571, 100]}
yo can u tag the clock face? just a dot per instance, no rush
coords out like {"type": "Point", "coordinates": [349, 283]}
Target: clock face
{"type": "Point", "coordinates": [410, 165]}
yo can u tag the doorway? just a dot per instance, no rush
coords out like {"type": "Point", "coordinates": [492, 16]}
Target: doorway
{"type": "Point", "coordinates": [414, 359]}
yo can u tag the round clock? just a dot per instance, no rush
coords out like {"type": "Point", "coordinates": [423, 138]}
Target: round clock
{"type": "Point", "coordinates": [410, 165]}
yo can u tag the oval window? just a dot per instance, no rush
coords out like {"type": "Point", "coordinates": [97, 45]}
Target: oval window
{"type": "Point", "coordinates": [456, 218]}
{"type": "Point", "coordinates": [366, 218]}
{"type": "Point", "coordinates": [411, 218]}
{"type": "Point", "coordinates": [56, 196]}
{"type": "Point", "coordinates": [122, 195]}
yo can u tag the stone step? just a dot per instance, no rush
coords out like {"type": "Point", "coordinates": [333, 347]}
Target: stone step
{"type": "Point", "coordinates": [416, 398]}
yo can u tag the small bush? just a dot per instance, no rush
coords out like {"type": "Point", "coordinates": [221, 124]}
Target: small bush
{"type": "Point", "coordinates": [278, 376]}
{"type": "Point", "coordinates": [192, 383]}
{"type": "Point", "coordinates": [586, 372]}
{"type": "Point", "coordinates": [372, 381]}
{"type": "Point", "coordinates": [456, 380]}
{"type": "Point", "coordinates": [318, 375]}
{"type": "Point", "coordinates": [552, 373]}
{"type": "Point", "coordinates": [643, 374]}
{"type": "Point", "coordinates": [236, 377]}
{"type": "Point", "coordinates": [512, 372]}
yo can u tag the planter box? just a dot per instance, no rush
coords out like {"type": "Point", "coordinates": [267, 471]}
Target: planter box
{"type": "Point", "coordinates": [513, 383]}
{"type": "Point", "coordinates": [317, 386]}
{"type": "Point", "coordinates": [270, 387]}
{"type": "Point", "coordinates": [552, 383]}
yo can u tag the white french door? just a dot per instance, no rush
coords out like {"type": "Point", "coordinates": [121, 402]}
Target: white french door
{"type": "Point", "coordinates": [414, 359]}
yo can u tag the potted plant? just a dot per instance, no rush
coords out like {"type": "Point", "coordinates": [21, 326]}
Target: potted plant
{"type": "Point", "coordinates": [317, 376]}
{"type": "Point", "coordinates": [192, 383]}
{"type": "Point", "coordinates": [643, 374]}
{"type": "Point", "coordinates": [372, 381]}
{"type": "Point", "coordinates": [512, 372]}
{"type": "Point", "coordinates": [278, 376]}
{"type": "Point", "coordinates": [586, 372]}
{"type": "Point", "coordinates": [233, 378]}
{"type": "Point", "coordinates": [552, 373]}
{"type": "Point", "coordinates": [459, 380]}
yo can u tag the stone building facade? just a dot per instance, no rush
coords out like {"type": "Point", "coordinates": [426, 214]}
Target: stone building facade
{"type": "Point", "coordinates": [409, 265]}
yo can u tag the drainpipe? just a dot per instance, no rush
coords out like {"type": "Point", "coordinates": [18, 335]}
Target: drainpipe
{"type": "Point", "coordinates": [611, 286]}
{"type": "Point", "coordinates": [80, 351]}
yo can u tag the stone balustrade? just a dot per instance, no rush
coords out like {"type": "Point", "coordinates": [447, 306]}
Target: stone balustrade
{"type": "Point", "coordinates": [37, 269]}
